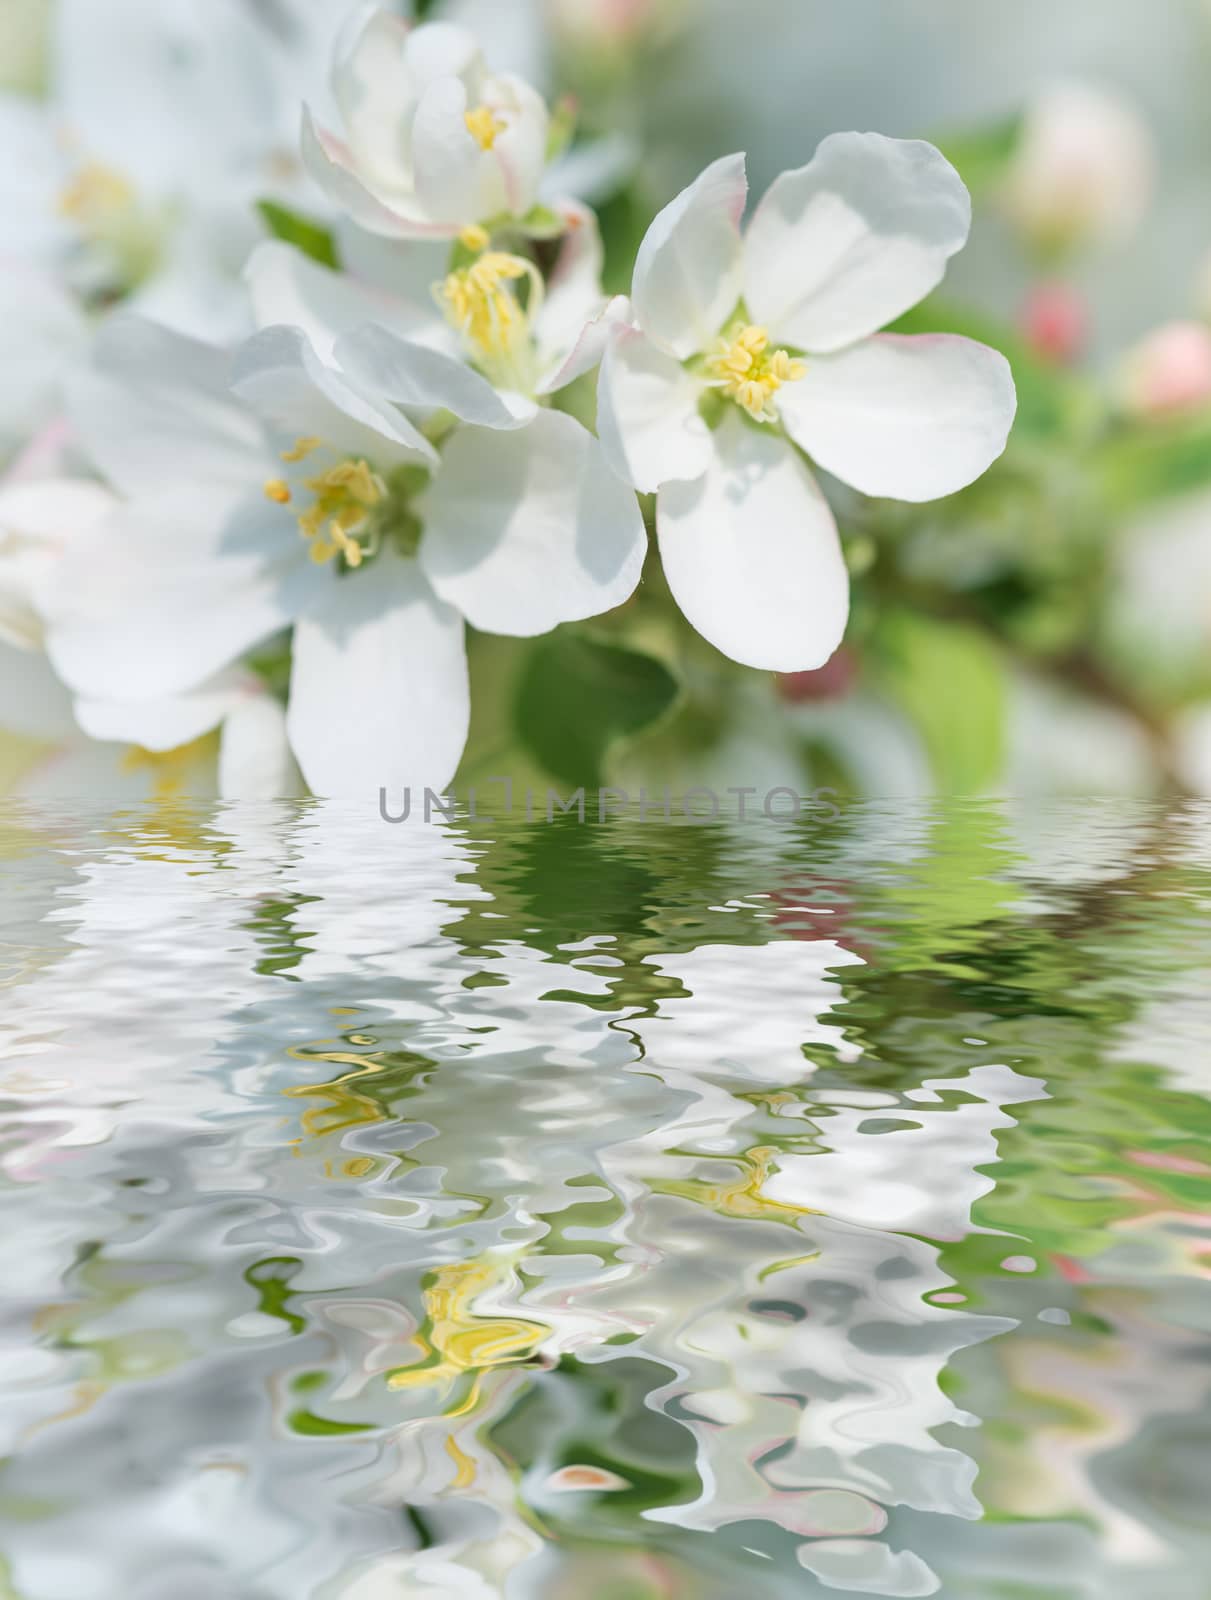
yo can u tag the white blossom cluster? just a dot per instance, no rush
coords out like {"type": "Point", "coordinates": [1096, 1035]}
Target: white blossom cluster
{"type": "Point", "coordinates": [338, 446]}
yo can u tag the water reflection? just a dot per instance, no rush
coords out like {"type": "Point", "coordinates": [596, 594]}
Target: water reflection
{"type": "Point", "coordinates": [608, 1212]}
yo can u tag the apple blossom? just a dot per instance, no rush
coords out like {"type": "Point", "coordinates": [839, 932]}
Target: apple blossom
{"type": "Point", "coordinates": [304, 500]}
{"type": "Point", "coordinates": [721, 324]}
{"type": "Point", "coordinates": [1168, 372]}
{"type": "Point", "coordinates": [45, 524]}
{"type": "Point", "coordinates": [434, 143]}
{"type": "Point", "coordinates": [1083, 169]}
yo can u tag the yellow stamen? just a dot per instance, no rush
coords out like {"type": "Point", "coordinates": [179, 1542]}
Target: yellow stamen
{"type": "Point", "coordinates": [478, 301]}
{"type": "Point", "coordinates": [96, 197]}
{"type": "Point", "coordinates": [475, 238]}
{"type": "Point", "coordinates": [750, 373]}
{"type": "Point", "coordinates": [302, 449]}
{"type": "Point", "coordinates": [278, 490]}
{"type": "Point", "coordinates": [484, 125]}
{"type": "Point", "coordinates": [344, 498]}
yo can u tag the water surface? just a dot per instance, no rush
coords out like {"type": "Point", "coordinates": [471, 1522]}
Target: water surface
{"type": "Point", "coordinates": [611, 1211]}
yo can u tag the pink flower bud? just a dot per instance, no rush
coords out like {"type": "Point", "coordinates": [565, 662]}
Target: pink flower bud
{"type": "Point", "coordinates": [832, 681]}
{"type": "Point", "coordinates": [1169, 372]}
{"type": "Point", "coordinates": [1055, 322]}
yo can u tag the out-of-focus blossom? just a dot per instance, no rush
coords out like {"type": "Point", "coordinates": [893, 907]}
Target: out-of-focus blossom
{"type": "Point", "coordinates": [836, 250]}
{"type": "Point", "coordinates": [1055, 322]}
{"type": "Point", "coordinates": [1083, 171]}
{"type": "Point", "coordinates": [433, 143]}
{"type": "Point", "coordinates": [304, 501]}
{"type": "Point", "coordinates": [24, 27]}
{"type": "Point", "coordinates": [1168, 372]}
{"type": "Point", "coordinates": [151, 744]}
{"type": "Point", "coordinates": [607, 22]}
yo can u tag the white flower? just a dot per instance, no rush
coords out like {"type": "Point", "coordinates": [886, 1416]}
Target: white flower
{"type": "Point", "coordinates": [304, 501]}
{"type": "Point", "coordinates": [136, 177]}
{"type": "Point", "coordinates": [144, 746]}
{"type": "Point", "coordinates": [434, 143]}
{"type": "Point", "coordinates": [405, 289]}
{"type": "Point", "coordinates": [1083, 169]}
{"type": "Point", "coordinates": [836, 250]}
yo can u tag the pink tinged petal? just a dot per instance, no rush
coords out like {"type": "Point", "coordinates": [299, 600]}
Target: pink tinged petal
{"type": "Point", "coordinates": [851, 241]}
{"type": "Point", "coordinates": [752, 556]}
{"type": "Point", "coordinates": [457, 182]}
{"type": "Point", "coordinates": [331, 164]}
{"type": "Point", "coordinates": [379, 696]}
{"type": "Point", "coordinates": [426, 380]}
{"type": "Point", "coordinates": [520, 150]}
{"type": "Point", "coordinates": [290, 289]}
{"type": "Point", "coordinates": [906, 418]}
{"type": "Point", "coordinates": [526, 530]}
{"type": "Point", "coordinates": [590, 347]}
{"type": "Point", "coordinates": [255, 759]}
{"type": "Point", "coordinates": [688, 274]}
{"type": "Point", "coordinates": [574, 296]}
{"type": "Point", "coordinates": [155, 413]}
{"type": "Point", "coordinates": [647, 415]}
{"type": "Point", "coordinates": [176, 588]}
{"type": "Point", "coordinates": [280, 377]}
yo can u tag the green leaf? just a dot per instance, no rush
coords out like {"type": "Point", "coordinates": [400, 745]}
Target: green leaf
{"type": "Point", "coordinates": [579, 694]}
{"type": "Point", "coordinates": [312, 238]}
{"type": "Point", "coordinates": [981, 155]}
{"type": "Point", "coordinates": [949, 678]}
{"type": "Point", "coordinates": [1153, 461]}
{"type": "Point", "coordinates": [540, 222]}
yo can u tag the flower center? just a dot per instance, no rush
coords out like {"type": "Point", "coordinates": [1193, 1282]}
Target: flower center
{"type": "Point", "coordinates": [750, 373]}
{"type": "Point", "coordinates": [343, 500]}
{"type": "Point", "coordinates": [481, 302]}
{"type": "Point", "coordinates": [106, 211]}
{"type": "Point", "coordinates": [97, 198]}
{"type": "Point", "coordinates": [484, 125]}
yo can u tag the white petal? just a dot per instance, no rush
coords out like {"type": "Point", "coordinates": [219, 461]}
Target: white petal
{"type": "Point", "coordinates": [155, 413]}
{"type": "Point", "coordinates": [41, 522]}
{"type": "Point", "coordinates": [406, 269]}
{"type": "Point", "coordinates": [688, 271]}
{"type": "Point", "coordinates": [574, 296]}
{"type": "Point", "coordinates": [647, 414]}
{"type": "Point", "coordinates": [174, 590]}
{"type": "Point", "coordinates": [521, 146]}
{"type": "Point", "coordinates": [255, 760]}
{"type": "Point", "coordinates": [374, 91]}
{"type": "Point", "coordinates": [752, 556]}
{"type": "Point", "coordinates": [526, 530]}
{"type": "Point", "coordinates": [457, 181]}
{"type": "Point", "coordinates": [167, 721]}
{"type": "Point", "coordinates": [279, 375]}
{"type": "Point", "coordinates": [288, 288]}
{"type": "Point", "coordinates": [45, 338]}
{"type": "Point", "coordinates": [908, 418]}
{"type": "Point", "coordinates": [333, 166]}
{"type": "Point", "coordinates": [379, 695]}
{"type": "Point", "coordinates": [170, 94]}
{"type": "Point", "coordinates": [846, 244]}
{"type": "Point", "coordinates": [33, 700]}
{"type": "Point", "coordinates": [590, 346]}
{"type": "Point", "coordinates": [414, 376]}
